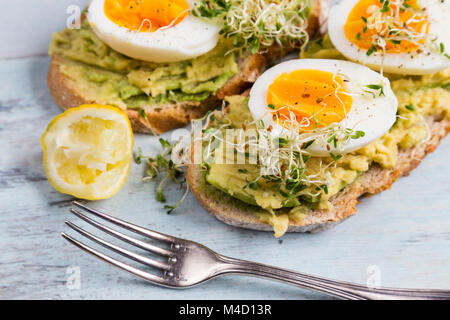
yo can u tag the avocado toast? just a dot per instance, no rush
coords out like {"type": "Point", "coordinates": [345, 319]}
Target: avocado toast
{"type": "Point", "coordinates": [422, 121]}
{"type": "Point", "coordinates": [237, 213]}
{"type": "Point", "coordinates": [330, 149]}
{"type": "Point", "coordinates": [156, 96]}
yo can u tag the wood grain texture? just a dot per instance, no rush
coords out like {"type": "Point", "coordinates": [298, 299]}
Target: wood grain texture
{"type": "Point", "coordinates": [404, 231]}
{"type": "Point", "coordinates": [27, 26]}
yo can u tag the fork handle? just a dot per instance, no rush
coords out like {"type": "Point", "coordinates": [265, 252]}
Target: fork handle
{"type": "Point", "coordinates": [340, 289]}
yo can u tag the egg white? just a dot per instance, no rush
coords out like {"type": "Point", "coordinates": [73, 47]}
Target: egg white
{"type": "Point", "coordinates": [426, 62]}
{"type": "Point", "coordinates": [372, 115]}
{"type": "Point", "coordinates": [188, 39]}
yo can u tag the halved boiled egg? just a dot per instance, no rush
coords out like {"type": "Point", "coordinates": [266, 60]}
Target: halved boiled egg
{"type": "Point", "coordinates": [152, 30]}
{"type": "Point", "coordinates": [397, 36]}
{"type": "Point", "coordinates": [316, 94]}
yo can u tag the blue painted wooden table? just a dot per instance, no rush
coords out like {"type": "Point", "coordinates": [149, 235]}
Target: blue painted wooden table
{"type": "Point", "coordinates": [400, 237]}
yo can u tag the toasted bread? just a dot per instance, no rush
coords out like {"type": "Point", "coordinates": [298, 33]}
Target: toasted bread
{"type": "Point", "coordinates": [375, 180]}
{"type": "Point", "coordinates": [174, 115]}
{"type": "Point", "coordinates": [162, 117]}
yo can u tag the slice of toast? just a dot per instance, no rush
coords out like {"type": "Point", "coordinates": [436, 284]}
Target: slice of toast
{"type": "Point", "coordinates": [375, 180]}
{"type": "Point", "coordinates": [162, 117]}
{"type": "Point", "coordinates": [169, 116]}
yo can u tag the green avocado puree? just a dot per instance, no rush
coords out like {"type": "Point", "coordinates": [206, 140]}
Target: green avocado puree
{"type": "Point", "coordinates": [108, 77]}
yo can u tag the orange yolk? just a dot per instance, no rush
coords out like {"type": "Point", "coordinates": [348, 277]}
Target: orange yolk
{"type": "Point", "coordinates": [356, 32]}
{"type": "Point", "coordinates": [314, 95]}
{"type": "Point", "coordinates": [145, 15]}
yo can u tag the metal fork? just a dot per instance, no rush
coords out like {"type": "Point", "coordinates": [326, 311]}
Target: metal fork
{"type": "Point", "coordinates": [188, 263]}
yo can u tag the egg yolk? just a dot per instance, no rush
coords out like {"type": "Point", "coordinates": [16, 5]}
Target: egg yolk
{"type": "Point", "coordinates": [146, 15]}
{"type": "Point", "coordinates": [370, 18]}
{"type": "Point", "coordinates": [316, 98]}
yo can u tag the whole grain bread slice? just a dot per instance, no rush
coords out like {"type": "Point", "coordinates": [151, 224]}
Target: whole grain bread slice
{"type": "Point", "coordinates": [375, 180]}
{"type": "Point", "coordinates": [169, 116]}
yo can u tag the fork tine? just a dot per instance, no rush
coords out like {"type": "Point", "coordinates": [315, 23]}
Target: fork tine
{"type": "Point", "coordinates": [129, 226]}
{"type": "Point", "coordinates": [124, 252]}
{"type": "Point", "coordinates": [119, 235]}
{"type": "Point", "coordinates": [137, 272]}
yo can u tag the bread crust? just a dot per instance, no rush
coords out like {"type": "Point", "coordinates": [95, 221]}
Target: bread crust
{"type": "Point", "coordinates": [375, 180]}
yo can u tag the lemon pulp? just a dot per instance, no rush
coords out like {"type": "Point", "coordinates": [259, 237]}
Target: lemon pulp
{"type": "Point", "coordinates": [88, 151]}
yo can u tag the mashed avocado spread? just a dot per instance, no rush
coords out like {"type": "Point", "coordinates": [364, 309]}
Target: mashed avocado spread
{"type": "Point", "coordinates": [419, 98]}
{"type": "Point", "coordinates": [108, 77]}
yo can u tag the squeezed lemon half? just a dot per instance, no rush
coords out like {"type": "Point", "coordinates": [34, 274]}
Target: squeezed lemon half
{"type": "Point", "coordinates": [88, 151]}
